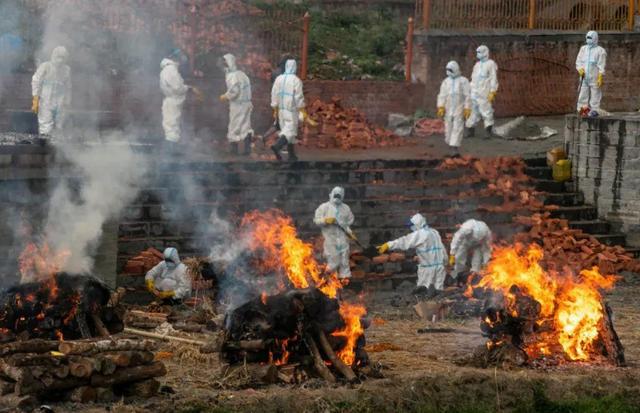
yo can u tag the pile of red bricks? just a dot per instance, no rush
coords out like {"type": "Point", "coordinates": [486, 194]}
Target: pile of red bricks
{"type": "Point", "coordinates": [345, 128]}
{"type": "Point", "coordinates": [142, 263]}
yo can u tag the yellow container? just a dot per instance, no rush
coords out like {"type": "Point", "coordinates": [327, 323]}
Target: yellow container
{"type": "Point", "coordinates": [555, 155]}
{"type": "Point", "coordinates": [562, 170]}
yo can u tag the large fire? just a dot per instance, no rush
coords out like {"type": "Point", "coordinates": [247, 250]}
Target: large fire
{"type": "Point", "coordinates": [571, 303]}
{"type": "Point", "coordinates": [273, 236]}
{"type": "Point", "coordinates": [40, 263]}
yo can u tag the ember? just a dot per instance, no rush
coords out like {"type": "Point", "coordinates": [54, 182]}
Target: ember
{"type": "Point", "coordinates": [548, 313]}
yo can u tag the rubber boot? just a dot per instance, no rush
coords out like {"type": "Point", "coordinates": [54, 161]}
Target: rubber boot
{"type": "Point", "coordinates": [247, 145]}
{"type": "Point", "coordinates": [489, 130]}
{"type": "Point", "coordinates": [455, 152]}
{"type": "Point", "coordinates": [291, 148]}
{"type": "Point", "coordinates": [281, 142]}
{"type": "Point", "coordinates": [234, 148]}
{"type": "Point", "coordinates": [470, 132]}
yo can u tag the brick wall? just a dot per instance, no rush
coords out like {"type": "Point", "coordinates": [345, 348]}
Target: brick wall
{"type": "Point", "coordinates": [606, 168]}
{"type": "Point", "coordinates": [137, 100]}
{"type": "Point", "coordinates": [537, 70]}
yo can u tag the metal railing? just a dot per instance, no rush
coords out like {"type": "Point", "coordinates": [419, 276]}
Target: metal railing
{"type": "Point", "coordinates": [526, 14]}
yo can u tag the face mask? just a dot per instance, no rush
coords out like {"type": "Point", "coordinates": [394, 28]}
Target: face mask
{"type": "Point", "coordinates": [58, 60]}
{"type": "Point", "coordinates": [337, 199]}
{"type": "Point", "coordinates": [589, 41]}
{"type": "Point", "coordinates": [450, 73]}
{"type": "Point", "coordinates": [414, 228]}
{"type": "Point", "coordinates": [170, 264]}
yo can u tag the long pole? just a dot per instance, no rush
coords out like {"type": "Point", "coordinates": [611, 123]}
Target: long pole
{"type": "Point", "coordinates": [426, 14]}
{"type": "Point", "coordinates": [305, 45]}
{"type": "Point", "coordinates": [532, 14]}
{"type": "Point", "coordinates": [632, 13]}
{"type": "Point", "coordinates": [408, 61]}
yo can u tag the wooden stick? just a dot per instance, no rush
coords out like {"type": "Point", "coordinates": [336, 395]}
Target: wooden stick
{"type": "Point", "coordinates": [99, 325]}
{"type": "Point", "coordinates": [345, 370]}
{"type": "Point", "coordinates": [318, 362]}
{"type": "Point", "coordinates": [29, 346]}
{"type": "Point", "coordinates": [163, 337]}
{"type": "Point", "coordinates": [92, 347]}
{"type": "Point", "coordinates": [130, 375]}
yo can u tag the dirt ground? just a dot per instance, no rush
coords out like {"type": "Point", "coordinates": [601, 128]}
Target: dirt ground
{"type": "Point", "coordinates": [420, 375]}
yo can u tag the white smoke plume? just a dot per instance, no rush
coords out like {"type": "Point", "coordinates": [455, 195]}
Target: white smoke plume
{"type": "Point", "coordinates": [109, 177]}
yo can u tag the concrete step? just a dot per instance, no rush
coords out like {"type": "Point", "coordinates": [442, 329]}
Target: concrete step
{"type": "Point", "coordinates": [549, 185]}
{"type": "Point", "coordinates": [576, 213]}
{"type": "Point", "coordinates": [592, 227]}
{"type": "Point", "coordinates": [539, 172]}
{"type": "Point", "coordinates": [536, 162]}
{"type": "Point", "coordinates": [564, 198]}
{"type": "Point", "coordinates": [612, 239]}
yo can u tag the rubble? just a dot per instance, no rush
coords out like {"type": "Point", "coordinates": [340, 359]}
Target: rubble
{"type": "Point", "coordinates": [345, 128]}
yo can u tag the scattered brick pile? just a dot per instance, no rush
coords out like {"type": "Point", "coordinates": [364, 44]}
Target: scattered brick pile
{"type": "Point", "coordinates": [345, 128]}
{"type": "Point", "coordinates": [428, 127]}
{"type": "Point", "coordinates": [143, 262]}
{"type": "Point", "coordinates": [381, 266]}
{"type": "Point", "coordinates": [574, 248]}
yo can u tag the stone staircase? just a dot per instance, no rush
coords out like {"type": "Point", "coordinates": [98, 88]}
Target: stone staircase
{"type": "Point", "coordinates": [572, 206]}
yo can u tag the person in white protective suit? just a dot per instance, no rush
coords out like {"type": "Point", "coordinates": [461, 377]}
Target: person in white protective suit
{"type": "Point", "coordinates": [287, 102]}
{"type": "Point", "coordinates": [454, 105]}
{"type": "Point", "coordinates": [471, 241]}
{"type": "Point", "coordinates": [591, 64]}
{"type": "Point", "coordinates": [335, 218]}
{"type": "Point", "coordinates": [432, 255]}
{"type": "Point", "coordinates": [484, 87]}
{"type": "Point", "coordinates": [240, 107]}
{"type": "Point", "coordinates": [51, 91]}
{"type": "Point", "coordinates": [175, 92]}
{"type": "Point", "coordinates": [169, 278]}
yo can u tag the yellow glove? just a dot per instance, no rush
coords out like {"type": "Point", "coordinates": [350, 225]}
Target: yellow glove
{"type": "Point", "coordinates": [275, 112]}
{"type": "Point", "coordinates": [383, 248]}
{"type": "Point", "coordinates": [600, 80]}
{"type": "Point", "coordinates": [330, 221]}
{"type": "Point", "coordinates": [581, 72]}
{"type": "Point", "coordinates": [353, 236]}
{"type": "Point", "coordinates": [452, 259]}
{"type": "Point", "coordinates": [35, 104]}
{"type": "Point", "coordinates": [223, 98]}
{"type": "Point", "coordinates": [303, 113]}
{"type": "Point", "coordinates": [492, 97]}
{"type": "Point", "coordinates": [467, 113]}
{"type": "Point", "coordinates": [441, 112]}
{"type": "Point", "coordinates": [166, 294]}
{"type": "Point", "coordinates": [151, 286]}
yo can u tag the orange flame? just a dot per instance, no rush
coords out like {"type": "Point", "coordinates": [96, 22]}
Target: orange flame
{"type": "Point", "coordinates": [39, 263]}
{"type": "Point", "coordinates": [284, 358]}
{"type": "Point", "coordinates": [572, 302]}
{"type": "Point", "coordinates": [351, 314]}
{"type": "Point", "coordinates": [275, 235]}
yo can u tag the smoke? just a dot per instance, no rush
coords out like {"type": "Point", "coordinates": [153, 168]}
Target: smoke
{"type": "Point", "coordinates": [12, 43]}
{"type": "Point", "coordinates": [108, 179]}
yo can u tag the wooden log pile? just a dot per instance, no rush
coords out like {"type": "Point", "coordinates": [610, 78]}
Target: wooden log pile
{"type": "Point", "coordinates": [78, 371]}
{"type": "Point", "coordinates": [288, 337]}
{"type": "Point", "coordinates": [345, 128]}
{"type": "Point", "coordinates": [572, 247]}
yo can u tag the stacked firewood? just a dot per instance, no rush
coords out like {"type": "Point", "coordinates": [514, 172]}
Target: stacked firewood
{"type": "Point", "coordinates": [345, 128]}
{"type": "Point", "coordinates": [78, 371]}
{"type": "Point", "coordinates": [564, 246]}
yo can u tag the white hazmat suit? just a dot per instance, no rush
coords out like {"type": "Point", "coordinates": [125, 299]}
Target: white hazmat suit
{"type": "Point", "coordinates": [591, 63]}
{"type": "Point", "coordinates": [175, 92]}
{"type": "Point", "coordinates": [432, 255]}
{"type": "Point", "coordinates": [239, 96]}
{"type": "Point", "coordinates": [484, 86]}
{"type": "Point", "coordinates": [287, 97]}
{"type": "Point", "coordinates": [455, 99]}
{"type": "Point", "coordinates": [331, 217]}
{"type": "Point", "coordinates": [472, 240]}
{"type": "Point", "coordinates": [170, 276]}
{"type": "Point", "coordinates": [51, 88]}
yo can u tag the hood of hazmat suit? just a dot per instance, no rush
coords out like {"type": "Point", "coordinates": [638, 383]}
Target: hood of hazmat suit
{"type": "Point", "coordinates": [482, 53]}
{"type": "Point", "coordinates": [230, 63]}
{"type": "Point", "coordinates": [59, 56]}
{"type": "Point", "coordinates": [171, 257]}
{"type": "Point", "coordinates": [592, 38]}
{"type": "Point", "coordinates": [291, 67]}
{"type": "Point", "coordinates": [337, 195]}
{"type": "Point", "coordinates": [418, 222]}
{"type": "Point", "coordinates": [453, 69]}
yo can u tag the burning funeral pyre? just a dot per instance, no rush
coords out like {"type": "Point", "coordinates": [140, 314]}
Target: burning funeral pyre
{"type": "Point", "coordinates": [40, 322]}
{"type": "Point", "coordinates": [297, 323]}
{"type": "Point", "coordinates": [543, 317]}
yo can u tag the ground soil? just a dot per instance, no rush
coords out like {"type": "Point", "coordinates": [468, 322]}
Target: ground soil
{"type": "Point", "coordinates": [420, 374]}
